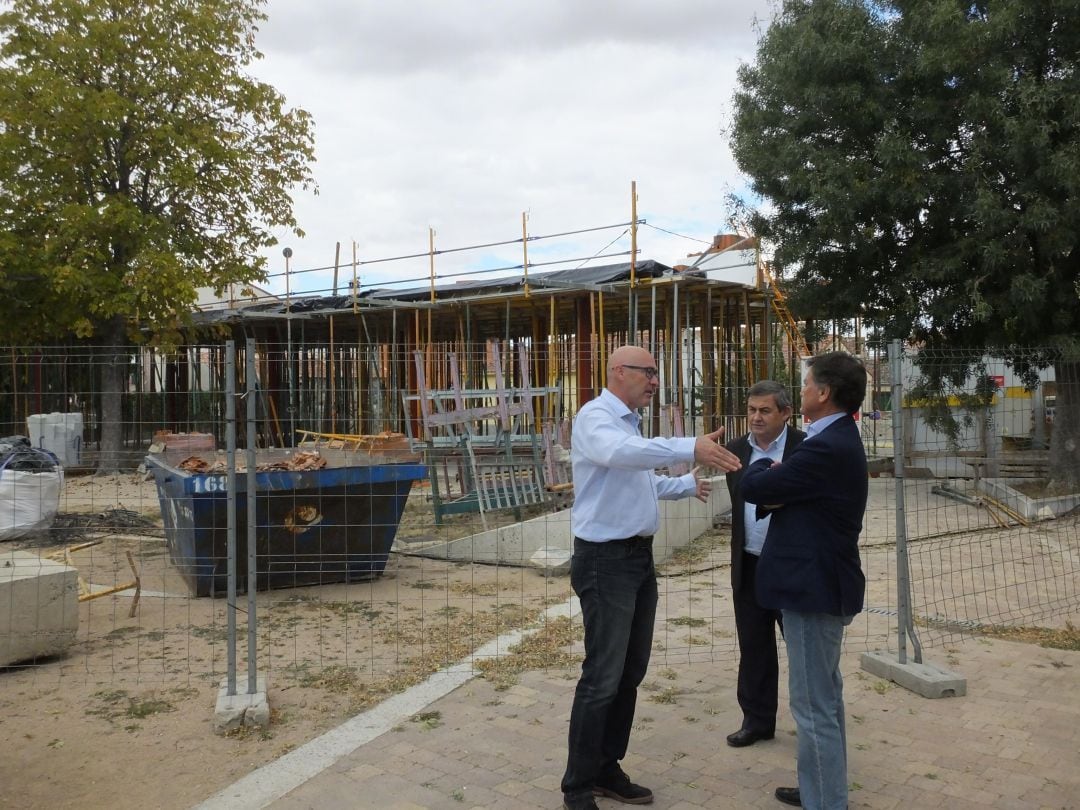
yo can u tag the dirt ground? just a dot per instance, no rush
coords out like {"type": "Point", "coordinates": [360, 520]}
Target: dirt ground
{"type": "Point", "coordinates": [124, 718]}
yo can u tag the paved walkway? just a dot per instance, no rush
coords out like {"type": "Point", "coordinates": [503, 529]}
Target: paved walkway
{"type": "Point", "coordinates": [1012, 742]}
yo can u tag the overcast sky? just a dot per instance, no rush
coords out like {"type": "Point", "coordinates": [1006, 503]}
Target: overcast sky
{"type": "Point", "coordinates": [460, 115]}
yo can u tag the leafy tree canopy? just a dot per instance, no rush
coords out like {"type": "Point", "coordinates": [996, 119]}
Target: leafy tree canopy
{"type": "Point", "coordinates": [138, 161]}
{"type": "Point", "coordinates": [919, 161]}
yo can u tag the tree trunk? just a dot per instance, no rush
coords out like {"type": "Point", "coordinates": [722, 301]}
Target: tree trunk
{"type": "Point", "coordinates": [1065, 440]}
{"type": "Point", "coordinates": [114, 362]}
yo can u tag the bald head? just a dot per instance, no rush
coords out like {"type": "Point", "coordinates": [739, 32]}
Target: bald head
{"type": "Point", "coordinates": [632, 377]}
{"type": "Point", "coordinates": [635, 355]}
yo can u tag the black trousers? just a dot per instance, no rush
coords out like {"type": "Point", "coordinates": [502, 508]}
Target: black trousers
{"type": "Point", "coordinates": [759, 669]}
{"type": "Point", "coordinates": [616, 583]}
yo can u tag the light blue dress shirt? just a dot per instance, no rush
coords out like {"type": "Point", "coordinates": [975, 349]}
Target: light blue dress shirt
{"type": "Point", "coordinates": [616, 487]}
{"type": "Point", "coordinates": [754, 529]}
{"type": "Point", "coordinates": [818, 425]}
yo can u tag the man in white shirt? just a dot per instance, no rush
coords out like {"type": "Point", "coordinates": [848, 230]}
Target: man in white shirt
{"type": "Point", "coordinates": [768, 413]}
{"type": "Point", "coordinates": [614, 517]}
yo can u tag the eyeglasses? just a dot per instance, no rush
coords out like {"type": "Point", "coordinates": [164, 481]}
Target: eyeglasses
{"type": "Point", "coordinates": [648, 371]}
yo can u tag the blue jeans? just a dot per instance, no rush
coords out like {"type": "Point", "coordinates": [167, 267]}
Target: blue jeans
{"type": "Point", "coordinates": [616, 583]}
{"type": "Point", "coordinates": [816, 694]}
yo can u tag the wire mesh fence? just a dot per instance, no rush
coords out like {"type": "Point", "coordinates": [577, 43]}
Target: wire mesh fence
{"type": "Point", "coordinates": [411, 506]}
{"type": "Point", "coordinates": [991, 523]}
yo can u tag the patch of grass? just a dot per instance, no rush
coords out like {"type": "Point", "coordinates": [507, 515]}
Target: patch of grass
{"type": "Point", "coordinates": [353, 609]}
{"type": "Point", "coordinates": [283, 622]}
{"type": "Point", "coordinates": [295, 599]}
{"type": "Point", "coordinates": [141, 709]}
{"type": "Point", "coordinates": [116, 703]}
{"type": "Point", "coordinates": [434, 645]}
{"type": "Point", "coordinates": [472, 589]}
{"type": "Point", "coordinates": [695, 553]}
{"type": "Point", "coordinates": [335, 678]}
{"type": "Point", "coordinates": [543, 649]}
{"type": "Point", "coordinates": [298, 669]}
{"type": "Point", "coordinates": [427, 720]}
{"type": "Point", "coordinates": [213, 633]}
{"type": "Point", "coordinates": [666, 696]}
{"type": "Point", "coordinates": [120, 632]}
{"type": "Point", "coordinates": [687, 621]}
{"type": "Point", "coordinates": [555, 598]}
{"type": "Point", "coordinates": [1063, 639]}
{"type": "Point", "coordinates": [111, 696]}
{"type": "Point", "coordinates": [260, 733]}
{"type": "Point", "coordinates": [154, 635]}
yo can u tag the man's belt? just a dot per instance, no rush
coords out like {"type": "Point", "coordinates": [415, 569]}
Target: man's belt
{"type": "Point", "coordinates": [637, 538]}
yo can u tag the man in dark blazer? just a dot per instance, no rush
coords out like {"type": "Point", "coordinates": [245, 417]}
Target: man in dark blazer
{"type": "Point", "coordinates": [810, 568]}
{"type": "Point", "coordinates": [768, 411]}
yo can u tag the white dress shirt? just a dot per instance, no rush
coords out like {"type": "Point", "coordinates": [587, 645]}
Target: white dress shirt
{"type": "Point", "coordinates": [615, 486]}
{"type": "Point", "coordinates": [754, 529]}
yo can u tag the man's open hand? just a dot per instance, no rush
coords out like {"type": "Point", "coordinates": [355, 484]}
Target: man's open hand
{"type": "Point", "coordinates": [704, 485]}
{"type": "Point", "coordinates": [708, 453]}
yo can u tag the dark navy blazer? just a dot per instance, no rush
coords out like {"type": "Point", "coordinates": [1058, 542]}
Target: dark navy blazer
{"type": "Point", "coordinates": [817, 498]}
{"type": "Point", "coordinates": [741, 448]}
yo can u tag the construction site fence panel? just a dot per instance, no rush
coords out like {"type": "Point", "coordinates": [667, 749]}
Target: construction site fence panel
{"type": "Point", "coordinates": [373, 567]}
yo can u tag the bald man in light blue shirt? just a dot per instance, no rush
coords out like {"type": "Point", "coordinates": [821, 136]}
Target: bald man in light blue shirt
{"type": "Point", "coordinates": [614, 517]}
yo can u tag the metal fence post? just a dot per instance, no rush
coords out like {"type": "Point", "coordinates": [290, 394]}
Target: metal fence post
{"type": "Point", "coordinates": [252, 552]}
{"type": "Point", "coordinates": [905, 624]}
{"type": "Point", "coordinates": [230, 511]}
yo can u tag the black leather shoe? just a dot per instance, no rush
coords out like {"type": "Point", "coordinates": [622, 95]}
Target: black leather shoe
{"type": "Point", "coordinates": [747, 736]}
{"type": "Point", "coordinates": [789, 796]}
{"type": "Point", "coordinates": [586, 802]}
{"type": "Point", "coordinates": [618, 786]}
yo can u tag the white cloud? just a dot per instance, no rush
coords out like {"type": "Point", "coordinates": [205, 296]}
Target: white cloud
{"type": "Point", "coordinates": [461, 115]}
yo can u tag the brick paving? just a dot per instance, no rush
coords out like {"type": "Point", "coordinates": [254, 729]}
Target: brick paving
{"type": "Point", "coordinates": [1012, 742]}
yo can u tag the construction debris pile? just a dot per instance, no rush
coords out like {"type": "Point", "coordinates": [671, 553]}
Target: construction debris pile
{"type": "Point", "coordinates": [69, 527]}
{"type": "Point", "coordinates": [298, 462]}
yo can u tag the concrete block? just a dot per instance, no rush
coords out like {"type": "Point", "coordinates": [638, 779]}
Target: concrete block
{"type": "Point", "coordinates": [554, 562]}
{"type": "Point", "coordinates": [923, 679]}
{"type": "Point", "coordinates": [39, 607]}
{"type": "Point", "coordinates": [243, 708]}
{"type": "Point", "coordinates": [1002, 489]}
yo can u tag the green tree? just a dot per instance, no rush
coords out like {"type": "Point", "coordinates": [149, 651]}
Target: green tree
{"type": "Point", "coordinates": [139, 161]}
{"type": "Point", "coordinates": [919, 161]}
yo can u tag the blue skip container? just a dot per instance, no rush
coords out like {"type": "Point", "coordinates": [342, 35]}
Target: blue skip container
{"type": "Point", "coordinates": [335, 524]}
